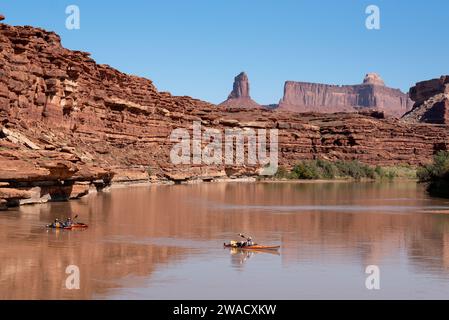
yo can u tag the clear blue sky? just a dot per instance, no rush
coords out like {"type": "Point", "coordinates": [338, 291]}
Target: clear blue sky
{"type": "Point", "coordinates": [196, 47]}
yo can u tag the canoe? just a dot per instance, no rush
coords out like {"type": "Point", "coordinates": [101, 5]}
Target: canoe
{"type": "Point", "coordinates": [74, 226]}
{"type": "Point", "coordinates": [254, 247]}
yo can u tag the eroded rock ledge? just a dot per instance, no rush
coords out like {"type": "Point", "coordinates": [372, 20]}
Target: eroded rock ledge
{"type": "Point", "coordinates": [431, 102]}
{"type": "Point", "coordinates": [69, 125]}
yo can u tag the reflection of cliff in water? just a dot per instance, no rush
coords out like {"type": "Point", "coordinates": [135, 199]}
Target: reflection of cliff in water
{"type": "Point", "coordinates": [312, 222]}
{"type": "Point", "coordinates": [37, 272]}
{"type": "Point", "coordinates": [439, 188]}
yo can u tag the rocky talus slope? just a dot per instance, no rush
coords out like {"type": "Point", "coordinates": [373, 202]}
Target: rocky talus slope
{"type": "Point", "coordinates": [431, 102]}
{"type": "Point", "coordinates": [69, 126]}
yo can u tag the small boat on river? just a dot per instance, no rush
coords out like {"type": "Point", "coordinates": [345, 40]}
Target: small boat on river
{"type": "Point", "coordinates": [67, 225]}
{"type": "Point", "coordinates": [74, 226]}
{"type": "Point", "coordinates": [253, 247]}
{"type": "Point", "coordinates": [248, 244]}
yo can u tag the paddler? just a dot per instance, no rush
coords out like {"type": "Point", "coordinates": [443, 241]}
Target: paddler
{"type": "Point", "coordinates": [57, 224]}
{"type": "Point", "coordinates": [248, 241]}
{"type": "Point", "coordinates": [68, 223]}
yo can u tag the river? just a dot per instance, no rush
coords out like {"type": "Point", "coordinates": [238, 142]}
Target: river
{"type": "Point", "coordinates": [166, 242]}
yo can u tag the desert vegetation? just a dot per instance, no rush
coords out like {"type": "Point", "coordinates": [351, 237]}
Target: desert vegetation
{"type": "Point", "coordinates": [436, 175]}
{"type": "Point", "coordinates": [327, 170]}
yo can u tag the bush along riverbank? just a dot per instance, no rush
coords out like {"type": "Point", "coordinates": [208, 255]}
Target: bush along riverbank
{"type": "Point", "coordinates": [328, 170]}
{"type": "Point", "coordinates": [436, 175]}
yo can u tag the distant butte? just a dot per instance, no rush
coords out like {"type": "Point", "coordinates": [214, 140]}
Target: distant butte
{"type": "Point", "coordinates": [239, 96]}
{"type": "Point", "coordinates": [372, 94]}
{"type": "Point", "coordinates": [305, 97]}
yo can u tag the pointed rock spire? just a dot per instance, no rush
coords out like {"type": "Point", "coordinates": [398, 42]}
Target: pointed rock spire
{"type": "Point", "coordinates": [239, 96]}
{"type": "Point", "coordinates": [241, 87]}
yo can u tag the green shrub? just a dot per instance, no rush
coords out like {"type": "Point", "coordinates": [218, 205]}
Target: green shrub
{"type": "Point", "coordinates": [307, 170]}
{"type": "Point", "coordinates": [326, 169]}
{"type": "Point", "coordinates": [439, 169]}
{"type": "Point", "coordinates": [282, 173]}
{"type": "Point", "coordinates": [355, 169]}
{"type": "Point", "coordinates": [379, 171]}
{"type": "Point", "coordinates": [391, 173]}
{"type": "Point", "coordinates": [436, 175]}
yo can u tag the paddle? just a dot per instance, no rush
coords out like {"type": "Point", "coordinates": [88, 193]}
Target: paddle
{"type": "Point", "coordinates": [73, 220]}
{"type": "Point", "coordinates": [247, 239]}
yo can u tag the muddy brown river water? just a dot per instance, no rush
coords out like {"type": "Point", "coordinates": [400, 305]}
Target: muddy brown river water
{"type": "Point", "coordinates": [166, 242]}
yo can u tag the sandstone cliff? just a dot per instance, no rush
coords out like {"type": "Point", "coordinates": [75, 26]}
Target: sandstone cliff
{"type": "Point", "coordinates": [239, 96]}
{"type": "Point", "coordinates": [69, 126]}
{"type": "Point", "coordinates": [431, 102]}
{"type": "Point", "coordinates": [372, 94]}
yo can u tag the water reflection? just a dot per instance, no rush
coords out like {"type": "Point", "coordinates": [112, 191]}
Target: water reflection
{"type": "Point", "coordinates": [240, 256]}
{"type": "Point", "coordinates": [166, 241]}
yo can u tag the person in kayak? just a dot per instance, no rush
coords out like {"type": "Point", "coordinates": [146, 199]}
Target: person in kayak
{"type": "Point", "coordinates": [68, 223]}
{"type": "Point", "coordinates": [248, 241]}
{"type": "Point", "coordinates": [57, 224]}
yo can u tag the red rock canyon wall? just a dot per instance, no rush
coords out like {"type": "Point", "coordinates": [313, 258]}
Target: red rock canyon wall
{"type": "Point", "coordinates": [69, 126]}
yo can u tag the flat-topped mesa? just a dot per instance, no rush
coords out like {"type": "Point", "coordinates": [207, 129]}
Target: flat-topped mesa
{"type": "Point", "coordinates": [325, 98]}
{"type": "Point", "coordinates": [431, 102]}
{"type": "Point", "coordinates": [239, 96]}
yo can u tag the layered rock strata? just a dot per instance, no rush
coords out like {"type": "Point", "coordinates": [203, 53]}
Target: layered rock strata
{"type": "Point", "coordinates": [69, 125]}
{"type": "Point", "coordinates": [324, 98]}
